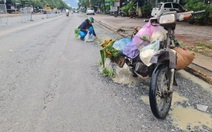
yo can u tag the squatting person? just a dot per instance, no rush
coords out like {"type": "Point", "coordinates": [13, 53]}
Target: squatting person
{"type": "Point", "coordinates": [86, 27]}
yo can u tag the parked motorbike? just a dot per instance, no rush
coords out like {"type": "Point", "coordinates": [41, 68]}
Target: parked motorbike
{"type": "Point", "coordinates": [119, 13]}
{"type": "Point", "coordinates": [115, 14]}
{"type": "Point", "coordinates": [164, 62]}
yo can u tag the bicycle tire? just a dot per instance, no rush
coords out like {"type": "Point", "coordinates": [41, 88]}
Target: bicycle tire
{"type": "Point", "coordinates": [155, 89]}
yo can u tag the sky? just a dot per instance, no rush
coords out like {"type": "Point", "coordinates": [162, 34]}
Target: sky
{"type": "Point", "coordinates": [72, 3]}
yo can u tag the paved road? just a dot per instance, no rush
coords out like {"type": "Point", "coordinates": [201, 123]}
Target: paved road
{"type": "Point", "coordinates": [50, 81]}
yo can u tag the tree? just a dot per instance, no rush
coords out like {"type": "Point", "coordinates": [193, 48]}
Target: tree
{"type": "Point", "coordinates": [197, 5]}
{"type": "Point", "coordinates": [60, 4]}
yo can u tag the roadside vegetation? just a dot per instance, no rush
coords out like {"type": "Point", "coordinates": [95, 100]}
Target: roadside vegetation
{"type": "Point", "coordinates": [59, 4]}
{"type": "Point", "coordinates": [197, 5]}
{"type": "Point", "coordinates": [143, 9]}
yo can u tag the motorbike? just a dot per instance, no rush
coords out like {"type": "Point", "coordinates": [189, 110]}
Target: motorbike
{"type": "Point", "coordinates": [67, 14]}
{"type": "Point", "coordinates": [163, 65]}
{"type": "Point", "coordinates": [119, 13]}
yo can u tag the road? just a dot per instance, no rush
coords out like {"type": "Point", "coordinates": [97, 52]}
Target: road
{"type": "Point", "coordinates": [50, 82]}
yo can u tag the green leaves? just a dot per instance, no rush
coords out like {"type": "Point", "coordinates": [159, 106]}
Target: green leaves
{"type": "Point", "coordinates": [60, 4]}
{"type": "Point", "coordinates": [109, 73]}
{"type": "Point", "coordinates": [146, 8]}
{"type": "Point", "coordinates": [197, 5]}
{"type": "Point", "coordinates": [130, 7]}
{"type": "Point", "coordinates": [108, 51]}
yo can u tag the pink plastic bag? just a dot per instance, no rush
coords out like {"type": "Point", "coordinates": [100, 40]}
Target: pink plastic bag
{"type": "Point", "coordinates": [145, 33]}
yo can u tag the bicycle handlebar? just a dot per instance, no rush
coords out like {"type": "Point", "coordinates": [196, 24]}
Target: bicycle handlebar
{"type": "Point", "coordinates": [198, 12]}
{"type": "Point", "coordinates": [181, 16]}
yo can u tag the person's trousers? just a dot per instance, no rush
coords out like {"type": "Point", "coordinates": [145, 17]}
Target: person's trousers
{"type": "Point", "coordinates": [83, 34]}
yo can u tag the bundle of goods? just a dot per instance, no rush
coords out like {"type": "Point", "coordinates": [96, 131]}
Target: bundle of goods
{"type": "Point", "coordinates": [114, 50]}
{"type": "Point", "coordinates": [184, 57]}
{"type": "Point", "coordinates": [146, 35]}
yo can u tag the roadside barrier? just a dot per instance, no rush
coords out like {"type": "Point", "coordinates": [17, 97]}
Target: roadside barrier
{"type": "Point", "coordinates": [26, 14]}
{"type": "Point", "coordinates": [51, 13]}
{"type": "Point", "coordinates": [3, 15]}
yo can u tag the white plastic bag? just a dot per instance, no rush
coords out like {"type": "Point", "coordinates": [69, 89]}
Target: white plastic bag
{"type": "Point", "coordinates": [160, 34]}
{"type": "Point", "coordinates": [148, 52]}
{"type": "Point", "coordinates": [89, 37]}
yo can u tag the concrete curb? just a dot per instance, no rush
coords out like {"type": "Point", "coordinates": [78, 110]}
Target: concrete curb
{"type": "Point", "coordinates": [200, 72]}
{"type": "Point", "coordinates": [194, 69]}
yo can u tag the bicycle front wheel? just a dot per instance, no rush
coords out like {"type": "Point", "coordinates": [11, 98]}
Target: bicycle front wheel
{"type": "Point", "coordinates": [160, 96]}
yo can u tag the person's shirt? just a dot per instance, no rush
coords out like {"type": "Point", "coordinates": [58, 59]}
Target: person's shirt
{"type": "Point", "coordinates": [86, 25]}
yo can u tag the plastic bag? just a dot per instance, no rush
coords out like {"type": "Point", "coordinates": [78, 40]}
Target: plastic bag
{"type": "Point", "coordinates": [159, 34]}
{"type": "Point", "coordinates": [131, 50]}
{"type": "Point", "coordinates": [149, 33]}
{"type": "Point", "coordinates": [89, 37]}
{"type": "Point", "coordinates": [120, 44]}
{"type": "Point", "coordinates": [144, 34]}
{"type": "Point", "coordinates": [146, 31]}
{"type": "Point", "coordinates": [148, 52]}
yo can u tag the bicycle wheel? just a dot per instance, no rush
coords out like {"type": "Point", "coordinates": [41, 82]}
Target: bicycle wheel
{"type": "Point", "coordinates": [159, 95]}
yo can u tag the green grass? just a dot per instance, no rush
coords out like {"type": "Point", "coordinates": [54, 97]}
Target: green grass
{"type": "Point", "coordinates": [204, 45]}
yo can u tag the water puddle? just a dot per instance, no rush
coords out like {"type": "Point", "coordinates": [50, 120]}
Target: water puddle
{"type": "Point", "coordinates": [183, 117]}
{"type": "Point", "coordinates": [189, 116]}
{"type": "Point", "coordinates": [177, 98]}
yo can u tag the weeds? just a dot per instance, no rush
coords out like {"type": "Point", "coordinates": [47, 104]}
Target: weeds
{"type": "Point", "coordinates": [204, 45]}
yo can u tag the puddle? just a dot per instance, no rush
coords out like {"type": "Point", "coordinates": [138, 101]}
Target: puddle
{"type": "Point", "coordinates": [177, 98]}
{"type": "Point", "coordinates": [185, 116]}
{"type": "Point", "coordinates": [189, 116]}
